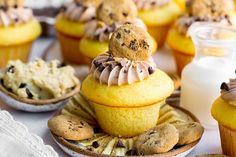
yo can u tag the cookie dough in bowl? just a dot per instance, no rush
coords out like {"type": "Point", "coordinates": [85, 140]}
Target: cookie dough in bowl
{"type": "Point", "coordinates": [37, 86]}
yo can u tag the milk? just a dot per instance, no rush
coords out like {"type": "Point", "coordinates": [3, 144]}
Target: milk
{"type": "Point", "coordinates": [214, 63]}
{"type": "Point", "coordinates": [201, 82]}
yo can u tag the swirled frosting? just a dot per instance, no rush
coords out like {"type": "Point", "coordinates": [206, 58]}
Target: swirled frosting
{"type": "Point", "coordinates": [15, 15]}
{"type": "Point", "coordinates": [119, 71]}
{"type": "Point", "coordinates": [184, 22]}
{"type": "Point", "coordinates": [75, 11]}
{"type": "Point", "coordinates": [150, 4]}
{"type": "Point", "coordinates": [228, 91]}
{"type": "Point", "coordinates": [98, 30]}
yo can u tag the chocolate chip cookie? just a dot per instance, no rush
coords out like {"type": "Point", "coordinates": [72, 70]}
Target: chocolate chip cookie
{"type": "Point", "coordinates": [70, 127]}
{"type": "Point", "coordinates": [188, 132]}
{"type": "Point", "coordinates": [111, 11]}
{"type": "Point", "coordinates": [160, 139]}
{"type": "Point", "coordinates": [132, 42]}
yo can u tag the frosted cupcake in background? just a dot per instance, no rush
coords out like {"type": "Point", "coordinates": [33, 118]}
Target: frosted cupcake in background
{"type": "Point", "coordinates": [158, 15]}
{"type": "Point", "coordinates": [218, 11]}
{"type": "Point", "coordinates": [70, 24]}
{"type": "Point", "coordinates": [110, 15]}
{"type": "Point", "coordinates": [18, 29]}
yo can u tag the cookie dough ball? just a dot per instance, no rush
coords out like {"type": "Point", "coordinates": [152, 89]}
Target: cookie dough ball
{"type": "Point", "coordinates": [111, 11]}
{"type": "Point", "coordinates": [11, 3]}
{"type": "Point", "coordinates": [70, 127]}
{"type": "Point", "coordinates": [211, 8]}
{"type": "Point", "coordinates": [132, 42]}
{"type": "Point", "coordinates": [189, 132]}
{"type": "Point", "coordinates": [160, 139]}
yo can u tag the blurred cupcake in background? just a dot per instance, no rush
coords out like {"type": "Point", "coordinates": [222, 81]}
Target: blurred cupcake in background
{"type": "Point", "coordinates": [111, 14]}
{"type": "Point", "coordinates": [218, 11]}
{"type": "Point", "coordinates": [158, 15]}
{"type": "Point", "coordinates": [70, 24]}
{"type": "Point", "coordinates": [18, 30]}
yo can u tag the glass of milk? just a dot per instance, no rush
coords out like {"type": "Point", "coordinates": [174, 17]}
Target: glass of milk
{"type": "Point", "coordinates": [214, 63]}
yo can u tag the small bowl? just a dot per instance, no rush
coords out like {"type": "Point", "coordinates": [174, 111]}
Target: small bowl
{"type": "Point", "coordinates": [31, 105]}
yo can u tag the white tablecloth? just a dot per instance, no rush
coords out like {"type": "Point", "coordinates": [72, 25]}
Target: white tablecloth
{"type": "Point", "coordinates": [37, 122]}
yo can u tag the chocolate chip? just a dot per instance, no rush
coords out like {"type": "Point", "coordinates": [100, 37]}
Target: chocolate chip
{"type": "Point", "coordinates": [72, 88]}
{"type": "Point", "coordinates": [95, 144]}
{"type": "Point", "coordinates": [120, 144]}
{"type": "Point", "coordinates": [118, 35]}
{"type": "Point", "coordinates": [126, 31]}
{"type": "Point", "coordinates": [106, 31]}
{"type": "Point", "coordinates": [30, 95]}
{"type": "Point", "coordinates": [144, 44]}
{"type": "Point", "coordinates": [11, 69]}
{"type": "Point", "coordinates": [16, 19]}
{"type": "Point", "coordinates": [131, 152]}
{"type": "Point", "coordinates": [15, 6]}
{"type": "Point", "coordinates": [150, 70]}
{"type": "Point", "coordinates": [133, 45]}
{"type": "Point", "coordinates": [224, 86]}
{"type": "Point", "coordinates": [151, 133]}
{"type": "Point", "coordinates": [9, 90]}
{"type": "Point", "coordinates": [153, 3]}
{"type": "Point", "coordinates": [127, 23]}
{"type": "Point", "coordinates": [90, 149]}
{"type": "Point", "coordinates": [125, 14]}
{"type": "Point", "coordinates": [22, 85]}
{"type": "Point", "coordinates": [82, 123]}
{"type": "Point", "coordinates": [2, 81]}
{"type": "Point", "coordinates": [123, 44]}
{"type": "Point", "coordinates": [111, 15]}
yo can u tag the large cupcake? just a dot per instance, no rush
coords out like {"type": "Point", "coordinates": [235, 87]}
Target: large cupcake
{"type": "Point", "coordinates": [18, 30]}
{"type": "Point", "coordinates": [158, 15]}
{"type": "Point", "coordinates": [124, 86]}
{"type": "Point", "coordinates": [70, 25]}
{"type": "Point", "coordinates": [219, 11]}
{"type": "Point", "coordinates": [224, 111]}
{"type": "Point", "coordinates": [111, 14]}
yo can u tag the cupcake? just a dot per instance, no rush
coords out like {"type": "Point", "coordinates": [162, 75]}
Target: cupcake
{"type": "Point", "coordinates": [37, 84]}
{"type": "Point", "coordinates": [224, 111]}
{"type": "Point", "coordinates": [124, 87]}
{"type": "Point", "coordinates": [18, 29]}
{"type": "Point", "coordinates": [158, 15]}
{"type": "Point", "coordinates": [70, 25]}
{"type": "Point", "coordinates": [111, 14]}
{"type": "Point", "coordinates": [218, 11]}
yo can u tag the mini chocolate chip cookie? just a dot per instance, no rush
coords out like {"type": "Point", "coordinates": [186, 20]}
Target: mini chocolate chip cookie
{"type": "Point", "coordinates": [110, 11]}
{"type": "Point", "coordinates": [160, 139]}
{"type": "Point", "coordinates": [188, 132]}
{"type": "Point", "coordinates": [132, 42]}
{"type": "Point", "coordinates": [212, 155]}
{"type": "Point", "coordinates": [70, 127]}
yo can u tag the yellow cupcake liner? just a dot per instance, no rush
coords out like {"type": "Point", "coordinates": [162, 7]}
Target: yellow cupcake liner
{"type": "Point", "coordinates": [159, 33]}
{"type": "Point", "coordinates": [70, 49]}
{"type": "Point", "coordinates": [14, 52]}
{"type": "Point", "coordinates": [181, 59]}
{"type": "Point", "coordinates": [228, 140]}
{"type": "Point", "coordinates": [127, 122]}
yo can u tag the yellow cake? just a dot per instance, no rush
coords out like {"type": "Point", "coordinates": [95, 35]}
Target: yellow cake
{"type": "Point", "coordinates": [111, 14]}
{"type": "Point", "coordinates": [17, 32]}
{"type": "Point", "coordinates": [124, 87]}
{"type": "Point", "coordinates": [199, 11]}
{"type": "Point", "coordinates": [70, 25]}
{"type": "Point", "coordinates": [224, 111]}
{"type": "Point", "coordinates": [159, 16]}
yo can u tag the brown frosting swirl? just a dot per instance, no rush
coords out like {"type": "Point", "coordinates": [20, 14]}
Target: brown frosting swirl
{"type": "Point", "coordinates": [184, 22]}
{"type": "Point", "coordinates": [76, 11]}
{"type": "Point", "coordinates": [228, 91]}
{"type": "Point", "coordinates": [98, 30]}
{"type": "Point", "coordinates": [150, 4]}
{"type": "Point", "coordinates": [119, 71]}
{"type": "Point", "coordinates": [15, 15]}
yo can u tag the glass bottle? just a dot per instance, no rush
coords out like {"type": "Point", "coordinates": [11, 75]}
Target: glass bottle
{"type": "Point", "coordinates": [214, 63]}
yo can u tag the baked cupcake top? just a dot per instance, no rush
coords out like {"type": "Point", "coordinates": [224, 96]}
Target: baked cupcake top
{"type": "Point", "coordinates": [228, 91]}
{"type": "Point", "coordinates": [14, 15]}
{"type": "Point", "coordinates": [206, 11]}
{"type": "Point", "coordinates": [111, 14]}
{"type": "Point", "coordinates": [80, 10]}
{"type": "Point", "coordinates": [150, 4]}
{"type": "Point", "coordinates": [128, 59]}
{"type": "Point", "coordinates": [38, 79]}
